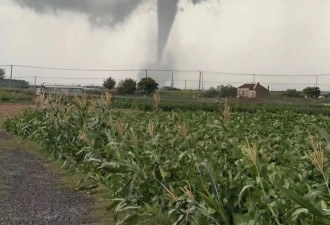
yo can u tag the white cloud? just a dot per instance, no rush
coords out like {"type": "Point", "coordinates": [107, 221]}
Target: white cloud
{"type": "Point", "coordinates": [255, 36]}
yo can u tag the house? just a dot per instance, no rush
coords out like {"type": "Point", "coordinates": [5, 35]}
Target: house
{"type": "Point", "coordinates": [65, 89]}
{"type": "Point", "coordinates": [252, 91]}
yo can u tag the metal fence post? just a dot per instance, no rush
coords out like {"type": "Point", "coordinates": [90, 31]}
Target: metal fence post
{"type": "Point", "coordinates": [11, 75]}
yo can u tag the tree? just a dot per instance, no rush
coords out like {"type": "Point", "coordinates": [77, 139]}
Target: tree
{"type": "Point", "coordinates": [2, 74]}
{"type": "Point", "coordinates": [109, 83]}
{"type": "Point", "coordinates": [227, 91]}
{"type": "Point", "coordinates": [147, 85]}
{"type": "Point", "coordinates": [313, 92]}
{"type": "Point", "coordinates": [127, 86]}
{"type": "Point", "coordinates": [291, 93]}
{"type": "Point", "coordinates": [211, 93]}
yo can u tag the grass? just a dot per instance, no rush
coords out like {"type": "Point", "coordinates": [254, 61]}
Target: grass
{"type": "Point", "coordinates": [10, 96]}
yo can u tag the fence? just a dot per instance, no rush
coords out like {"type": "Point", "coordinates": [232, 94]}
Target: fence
{"type": "Point", "coordinates": [182, 79]}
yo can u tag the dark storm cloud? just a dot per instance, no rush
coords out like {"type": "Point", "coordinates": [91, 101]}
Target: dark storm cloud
{"type": "Point", "coordinates": [100, 12]}
{"type": "Point", "coordinates": [196, 1]}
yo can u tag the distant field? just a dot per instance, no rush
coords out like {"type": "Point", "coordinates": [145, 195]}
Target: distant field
{"type": "Point", "coordinates": [10, 96]}
{"type": "Point", "coordinates": [11, 110]}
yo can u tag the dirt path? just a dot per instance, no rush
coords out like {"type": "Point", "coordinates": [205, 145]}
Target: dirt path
{"type": "Point", "coordinates": [30, 193]}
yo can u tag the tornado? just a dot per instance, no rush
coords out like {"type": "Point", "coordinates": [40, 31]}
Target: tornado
{"type": "Point", "coordinates": [113, 12]}
{"type": "Point", "coordinates": [167, 10]}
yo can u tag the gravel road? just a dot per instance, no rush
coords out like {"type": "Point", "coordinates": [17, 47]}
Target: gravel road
{"type": "Point", "coordinates": [31, 193]}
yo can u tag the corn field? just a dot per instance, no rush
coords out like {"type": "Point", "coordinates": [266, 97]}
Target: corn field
{"type": "Point", "coordinates": [191, 167]}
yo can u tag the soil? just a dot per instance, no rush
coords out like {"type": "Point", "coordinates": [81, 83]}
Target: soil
{"type": "Point", "coordinates": [31, 193]}
{"type": "Point", "coordinates": [4, 136]}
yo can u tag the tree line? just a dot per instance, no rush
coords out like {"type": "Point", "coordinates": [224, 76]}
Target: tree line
{"type": "Point", "coordinates": [12, 83]}
{"type": "Point", "coordinates": [128, 86]}
{"type": "Point", "coordinates": [148, 85]}
{"type": "Point", "coordinates": [310, 92]}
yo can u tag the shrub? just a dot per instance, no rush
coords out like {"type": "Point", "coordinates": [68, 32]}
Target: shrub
{"type": "Point", "coordinates": [211, 93]}
{"type": "Point", "coordinates": [127, 86]}
{"type": "Point", "coordinates": [227, 91]}
{"type": "Point", "coordinates": [167, 88]}
{"type": "Point", "coordinates": [292, 93]}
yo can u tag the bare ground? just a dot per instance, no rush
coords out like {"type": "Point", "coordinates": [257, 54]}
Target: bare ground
{"type": "Point", "coordinates": [31, 193]}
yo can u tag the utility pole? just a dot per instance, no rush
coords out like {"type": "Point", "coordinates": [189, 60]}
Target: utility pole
{"type": "Point", "coordinates": [35, 82]}
{"type": "Point", "coordinates": [172, 81]}
{"type": "Point", "coordinates": [185, 84]}
{"type": "Point", "coordinates": [317, 80]}
{"type": "Point", "coordinates": [200, 80]}
{"type": "Point", "coordinates": [11, 75]}
{"type": "Point", "coordinates": [146, 73]}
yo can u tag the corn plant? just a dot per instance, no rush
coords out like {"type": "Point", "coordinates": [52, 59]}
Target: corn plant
{"type": "Point", "coordinates": [189, 167]}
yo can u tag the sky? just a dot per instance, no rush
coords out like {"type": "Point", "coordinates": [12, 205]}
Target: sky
{"type": "Point", "coordinates": [286, 37]}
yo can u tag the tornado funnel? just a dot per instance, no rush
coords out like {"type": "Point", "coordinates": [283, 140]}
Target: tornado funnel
{"type": "Point", "coordinates": [167, 10]}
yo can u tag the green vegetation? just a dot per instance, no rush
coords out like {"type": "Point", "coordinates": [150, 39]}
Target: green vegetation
{"type": "Point", "coordinates": [227, 91]}
{"type": "Point", "coordinates": [167, 88]}
{"type": "Point", "coordinates": [147, 85]}
{"type": "Point", "coordinates": [2, 74]}
{"type": "Point", "coordinates": [222, 92]}
{"type": "Point", "coordinates": [14, 83]}
{"type": "Point", "coordinates": [312, 92]}
{"type": "Point", "coordinates": [127, 86]}
{"type": "Point", "coordinates": [169, 105]}
{"type": "Point", "coordinates": [192, 167]}
{"type": "Point", "coordinates": [109, 83]}
{"type": "Point", "coordinates": [10, 96]}
{"type": "Point", "coordinates": [69, 177]}
{"type": "Point", "coordinates": [292, 93]}
{"type": "Point", "coordinates": [11, 83]}
{"type": "Point", "coordinates": [211, 93]}
{"type": "Point", "coordinates": [190, 95]}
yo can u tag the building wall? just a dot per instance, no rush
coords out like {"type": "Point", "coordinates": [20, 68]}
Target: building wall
{"type": "Point", "coordinates": [243, 92]}
{"type": "Point", "coordinates": [252, 94]}
{"type": "Point", "coordinates": [72, 91]}
{"type": "Point", "coordinates": [262, 93]}
{"type": "Point", "coordinates": [258, 92]}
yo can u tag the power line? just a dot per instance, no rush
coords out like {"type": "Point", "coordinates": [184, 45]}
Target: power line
{"type": "Point", "coordinates": [164, 70]}
{"type": "Point", "coordinates": [76, 69]}
{"type": "Point", "coordinates": [269, 75]}
{"type": "Point", "coordinates": [205, 81]}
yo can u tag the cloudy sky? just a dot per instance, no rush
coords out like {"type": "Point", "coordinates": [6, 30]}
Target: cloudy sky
{"type": "Point", "coordinates": [240, 36]}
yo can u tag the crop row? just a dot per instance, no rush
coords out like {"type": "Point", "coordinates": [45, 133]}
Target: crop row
{"type": "Point", "coordinates": [170, 105]}
{"type": "Point", "coordinates": [191, 167]}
